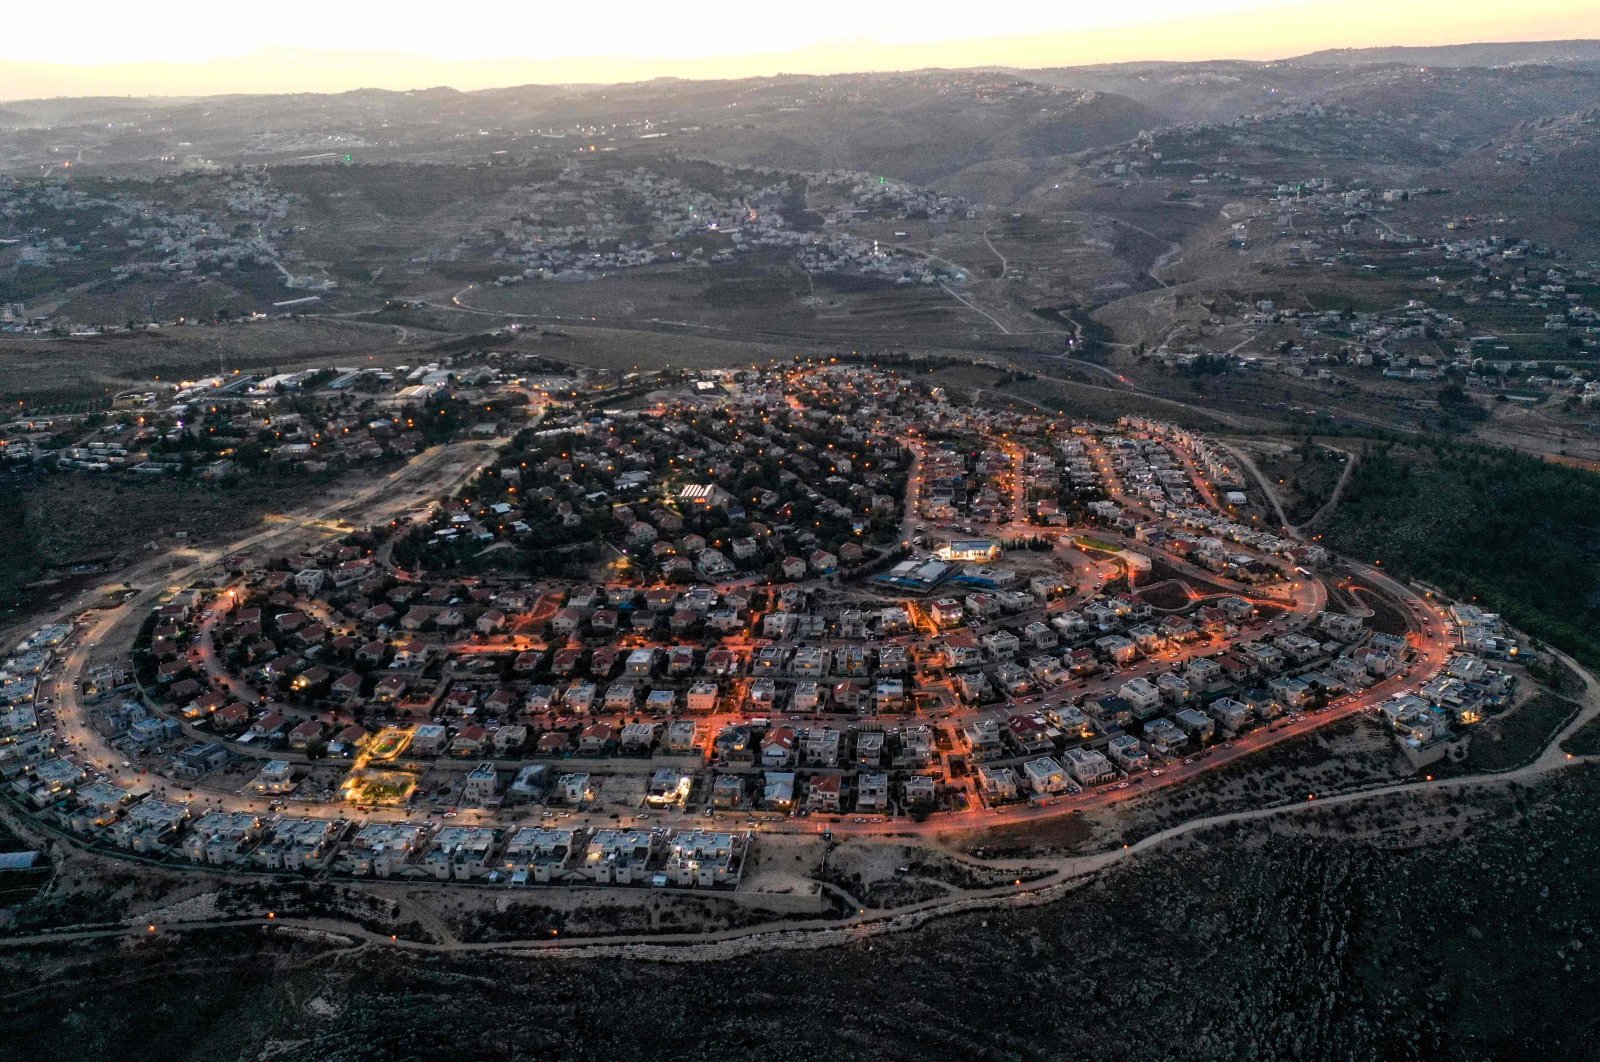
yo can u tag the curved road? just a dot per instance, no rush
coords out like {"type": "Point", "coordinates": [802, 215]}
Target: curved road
{"type": "Point", "coordinates": [1307, 597]}
{"type": "Point", "coordinates": [1065, 874]}
{"type": "Point", "coordinates": [421, 480]}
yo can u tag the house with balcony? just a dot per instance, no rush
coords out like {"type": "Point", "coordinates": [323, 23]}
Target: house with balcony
{"type": "Point", "coordinates": [620, 857]}
{"type": "Point", "coordinates": [1231, 715]}
{"type": "Point", "coordinates": [1046, 776]}
{"type": "Point", "coordinates": [821, 747]}
{"type": "Point", "coordinates": [872, 792]}
{"type": "Point", "coordinates": [1128, 753]}
{"type": "Point", "coordinates": [1197, 725]}
{"type": "Point", "coordinates": [1088, 767]}
{"type": "Point", "coordinates": [997, 784]}
{"type": "Point", "coordinates": [540, 854]}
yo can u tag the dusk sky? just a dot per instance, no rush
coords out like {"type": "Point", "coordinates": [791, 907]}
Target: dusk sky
{"type": "Point", "coordinates": [189, 46]}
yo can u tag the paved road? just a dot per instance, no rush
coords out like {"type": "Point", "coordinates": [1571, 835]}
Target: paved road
{"type": "Point", "coordinates": [1063, 873]}
{"type": "Point", "coordinates": [420, 480]}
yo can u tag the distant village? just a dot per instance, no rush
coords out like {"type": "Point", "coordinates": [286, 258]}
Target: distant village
{"type": "Point", "coordinates": [1484, 308]}
{"type": "Point", "coordinates": [232, 425]}
{"type": "Point", "coordinates": [593, 220]}
{"type": "Point", "coordinates": [585, 223]}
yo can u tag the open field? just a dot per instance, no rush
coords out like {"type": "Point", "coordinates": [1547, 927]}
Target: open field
{"type": "Point", "coordinates": [1514, 737]}
{"type": "Point", "coordinates": [1585, 742]}
{"type": "Point", "coordinates": [117, 519]}
{"type": "Point", "coordinates": [1305, 476]}
{"type": "Point", "coordinates": [46, 370]}
{"type": "Point", "coordinates": [626, 350]}
{"type": "Point", "coordinates": [763, 303]}
{"type": "Point", "coordinates": [1108, 403]}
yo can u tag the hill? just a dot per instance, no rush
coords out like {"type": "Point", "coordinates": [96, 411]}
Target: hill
{"type": "Point", "coordinates": [1546, 173]}
{"type": "Point", "coordinates": [1513, 532]}
{"type": "Point", "coordinates": [1484, 54]}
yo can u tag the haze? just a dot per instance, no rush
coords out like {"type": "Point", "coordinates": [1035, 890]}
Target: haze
{"type": "Point", "coordinates": [184, 47]}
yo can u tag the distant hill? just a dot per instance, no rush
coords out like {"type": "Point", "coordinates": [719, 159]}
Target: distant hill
{"type": "Point", "coordinates": [900, 129]}
{"type": "Point", "coordinates": [989, 135]}
{"type": "Point", "coordinates": [1543, 156]}
{"type": "Point", "coordinates": [67, 110]}
{"type": "Point", "coordinates": [1468, 105]}
{"type": "Point", "coordinates": [1492, 54]}
{"type": "Point", "coordinates": [1466, 100]}
{"type": "Point", "coordinates": [1544, 173]}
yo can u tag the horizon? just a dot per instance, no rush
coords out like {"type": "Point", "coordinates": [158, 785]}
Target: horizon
{"type": "Point", "coordinates": [348, 57]}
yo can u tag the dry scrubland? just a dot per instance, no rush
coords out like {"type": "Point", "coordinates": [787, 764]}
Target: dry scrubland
{"type": "Point", "coordinates": [46, 370]}
{"type": "Point", "coordinates": [1347, 755]}
{"type": "Point", "coordinates": [1327, 902]}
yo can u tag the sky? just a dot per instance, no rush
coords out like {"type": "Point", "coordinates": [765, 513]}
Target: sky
{"type": "Point", "coordinates": [185, 47]}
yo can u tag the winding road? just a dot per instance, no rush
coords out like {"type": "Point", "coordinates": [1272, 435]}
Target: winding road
{"type": "Point", "coordinates": [427, 475]}
{"type": "Point", "coordinates": [1325, 510]}
{"type": "Point", "coordinates": [1060, 876]}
